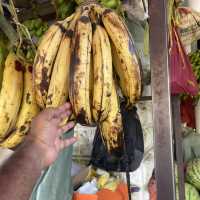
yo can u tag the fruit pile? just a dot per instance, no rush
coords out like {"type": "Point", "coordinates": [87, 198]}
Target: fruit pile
{"type": "Point", "coordinates": [36, 27]}
{"type": "Point", "coordinates": [195, 61]}
{"type": "Point", "coordinates": [192, 186]}
{"type": "Point", "coordinates": [75, 60]}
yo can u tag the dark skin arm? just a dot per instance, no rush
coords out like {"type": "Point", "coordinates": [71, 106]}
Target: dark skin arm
{"type": "Point", "coordinates": [41, 148]}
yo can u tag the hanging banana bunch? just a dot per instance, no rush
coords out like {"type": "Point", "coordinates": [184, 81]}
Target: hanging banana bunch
{"type": "Point", "coordinates": [84, 59]}
{"type": "Point", "coordinates": [79, 60]}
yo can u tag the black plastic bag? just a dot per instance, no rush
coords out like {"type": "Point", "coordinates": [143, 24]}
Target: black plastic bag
{"type": "Point", "coordinates": [130, 156]}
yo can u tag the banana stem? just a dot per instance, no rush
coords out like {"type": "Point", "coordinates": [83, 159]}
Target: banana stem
{"type": "Point", "coordinates": [8, 30]}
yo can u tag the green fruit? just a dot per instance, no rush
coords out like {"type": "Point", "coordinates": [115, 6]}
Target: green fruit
{"type": "Point", "coordinates": [111, 3]}
{"type": "Point", "coordinates": [191, 192]}
{"type": "Point", "coordinates": [32, 25]}
{"type": "Point", "coordinates": [66, 10]}
{"type": "Point", "coordinates": [39, 32]}
{"type": "Point", "coordinates": [193, 173]}
{"type": "Point", "coordinates": [37, 23]}
{"type": "Point", "coordinates": [60, 2]}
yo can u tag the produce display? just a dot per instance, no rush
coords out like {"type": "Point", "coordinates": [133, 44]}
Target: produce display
{"type": "Point", "coordinates": [193, 173]}
{"type": "Point", "coordinates": [195, 61]}
{"type": "Point", "coordinates": [191, 192]}
{"type": "Point", "coordinates": [36, 27]}
{"type": "Point", "coordinates": [64, 8]}
{"type": "Point", "coordinates": [91, 39]}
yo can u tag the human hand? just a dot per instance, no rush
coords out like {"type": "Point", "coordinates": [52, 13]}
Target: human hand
{"type": "Point", "coordinates": [45, 134]}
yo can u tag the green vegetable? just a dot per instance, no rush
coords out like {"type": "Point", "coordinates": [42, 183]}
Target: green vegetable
{"type": "Point", "coordinates": [191, 193]}
{"type": "Point", "coordinates": [66, 9]}
{"type": "Point", "coordinates": [111, 3]}
{"type": "Point", "coordinates": [37, 23]}
{"type": "Point", "coordinates": [193, 173]}
{"type": "Point", "coordinates": [39, 32]}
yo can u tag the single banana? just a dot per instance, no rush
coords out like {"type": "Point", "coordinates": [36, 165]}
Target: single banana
{"type": "Point", "coordinates": [79, 91]}
{"type": "Point", "coordinates": [11, 94]}
{"type": "Point", "coordinates": [126, 62]}
{"type": "Point", "coordinates": [44, 59]}
{"type": "Point", "coordinates": [103, 75]}
{"type": "Point", "coordinates": [59, 85]}
{"type": "Point", "coordinates": [111, 128]}
{"type": "Point", "coordinates": [28, 110]}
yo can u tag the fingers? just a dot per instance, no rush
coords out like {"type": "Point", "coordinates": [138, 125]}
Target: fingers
{"type": "Point", "coordinates": [60, 112]}
{"type": "Point", "coordinates": [67, 142]}
{"type": "Point", "coordinates": [62, 109]}
{"type": "Point", "coordinates": [66, 128]}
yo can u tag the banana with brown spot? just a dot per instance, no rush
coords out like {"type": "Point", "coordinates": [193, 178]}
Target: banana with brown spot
{"type": "Point", "coordinates": [44, 59]}
{"type": "Point", "coordinates": [59, 85]}
{"type": "Point", "coordinates": [103, 75]}
{"type": "Point", "coordinates": [11, 94]}
{"type": "Point", "coordinates": [80, 68]}
{"type": "Point", "coordinates": [126, 62]}
{"type": "Point", "coordinates": [28, 110]}
{"type": "Point", "coordinates": [112, 128]}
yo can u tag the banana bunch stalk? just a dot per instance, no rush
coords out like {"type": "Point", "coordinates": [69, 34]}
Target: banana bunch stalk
{"type": "Point", "coordinates": [86, 58]}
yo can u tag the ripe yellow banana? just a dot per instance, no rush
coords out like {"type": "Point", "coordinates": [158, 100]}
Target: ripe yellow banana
{"type": "Point", "coordinates": [111, 128]}
{"type": "Point", "coordinates": [44, 59]}
{"type": "Point", "coordinates": [11, 94]}
{"type": "Point", "coordinates": [28, 110]}
{"type": "Point", "coordinates": [59, 85]}
{"type": "Point", "coordinates": [79, 91]}
{"type": "Point", "coordinates": [125, 59]}
{"type": "Point", "coordinates": [103, 75]}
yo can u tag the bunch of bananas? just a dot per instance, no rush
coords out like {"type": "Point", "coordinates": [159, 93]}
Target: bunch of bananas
{"type": "Point", "coordinates": [17, 101]}
{"type": "Point", "coordinates": [87, 58]}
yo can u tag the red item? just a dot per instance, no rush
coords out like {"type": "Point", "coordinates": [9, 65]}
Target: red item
{"type": "Point", "coordinates": [121, 193]}
{"type": "Point", "coordinates": [188, 112]}
{"type": "Point", "coordinates": [182, 77]}
{"type": "Point", "coordinates": [77, 196]}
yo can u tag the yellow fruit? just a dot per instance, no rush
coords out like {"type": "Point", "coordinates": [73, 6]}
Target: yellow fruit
{"type": "Point", "coordinates": [125, 59]}
{"type": "Point", "coordinates": [103, 75]}
{"type": "Point", "coordinates": [11, 94]}
{"type": "Point", "coordinates": [28, 110]}
{"type": "Point", "coordinates": [111, 128]}
{"type": "Point", "coordinates": [103, 179]}
{"type": "Point", "coordinates": [79, 91]}
{"type": "Point", "coordinates": [45, 58]}
{"type": "Point", "coordinates": [58, 91]}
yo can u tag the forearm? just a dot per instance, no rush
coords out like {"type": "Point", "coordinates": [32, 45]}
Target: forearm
{"type": "Point", "coordinates": [19, 174]}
